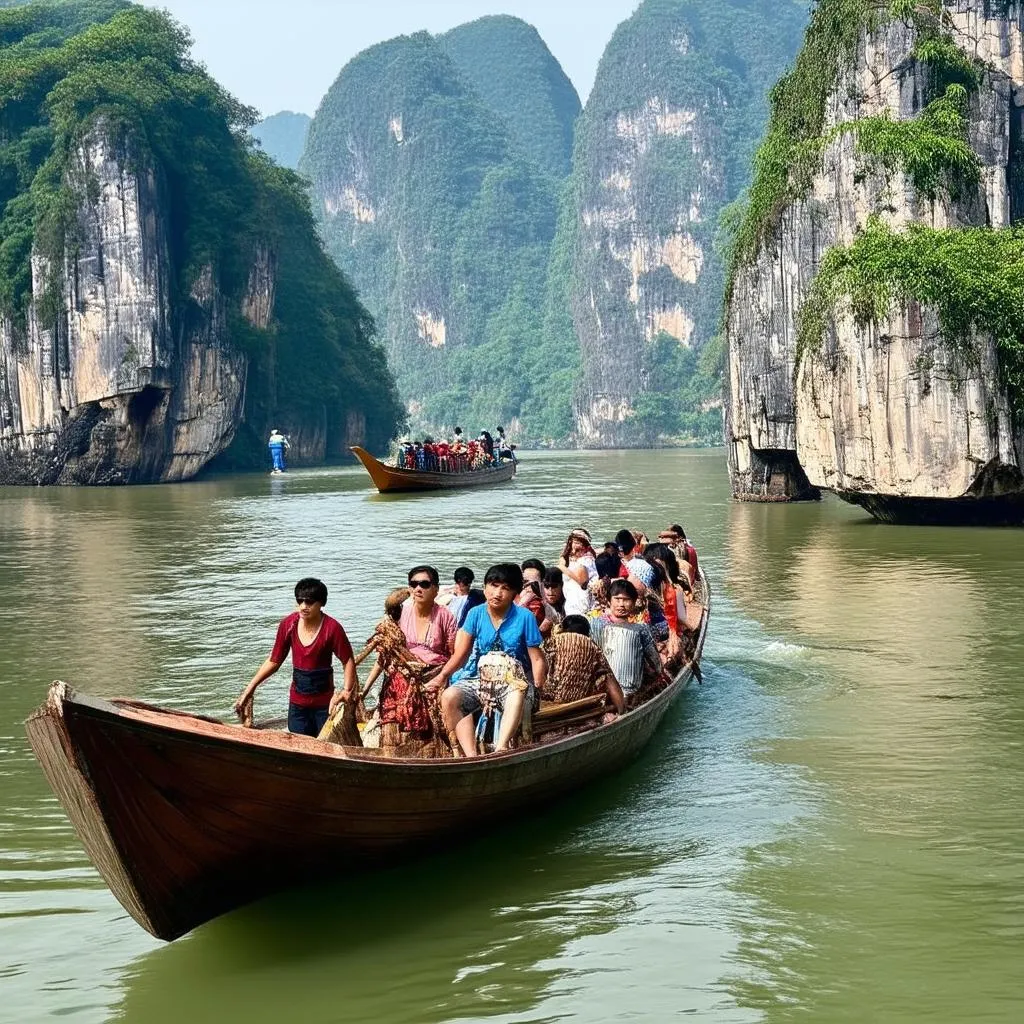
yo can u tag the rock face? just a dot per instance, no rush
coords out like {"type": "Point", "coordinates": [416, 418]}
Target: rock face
{"type": "Point", "coordinates": [888, 412]}
{"type": "Point", "coordinates": [663, 145]}
{"type": "Point", "coordinates": [113, 389]}
{"type": "Point", "coordinates": [124, 383]}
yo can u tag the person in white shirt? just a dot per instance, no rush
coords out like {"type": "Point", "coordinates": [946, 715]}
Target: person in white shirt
{"type": "Point", "coordinates": [579, 568]}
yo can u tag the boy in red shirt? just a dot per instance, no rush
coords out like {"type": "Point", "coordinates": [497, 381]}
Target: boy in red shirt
{"type": "Point", "coordinates": [312, 639]}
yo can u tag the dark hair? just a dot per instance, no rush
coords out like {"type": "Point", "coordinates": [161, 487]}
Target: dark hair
{"type": "Point", "coordinates": [458, 430]}
{"type": "Point", "coordinates": [625, 541]}
{"type": "Point", "coordinates": [622, 587]}
{"type": "Point", "coordinates": [664, 554]}
{"type": "Point", "coordinates": [429, 570]}
{"type": "Point", "coordinates": [676, 528]}
{"type": "Point", "coordinates": [534, 563]}
{"type": "Point", "coordinates": [610, 544]}
{"type": "Point", "coordinates": [505, 572]}
{"type": "Point", "coordinates": [464, 575]}
{"type": "Point", "coordinates": [608, 565]}
{"type": "Point", "coordinates": [576, 624]}
{"type": "Point", "coordinates": [554, 578]}
{"type": "Point", "coordinates": [310, 589]}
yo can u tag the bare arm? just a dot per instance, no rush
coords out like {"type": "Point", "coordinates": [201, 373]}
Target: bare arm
{"type": "Point", "coordinates": [266, 670]}
{"type": "Point", "coordinates": [463, 649]}
{"type": "Point", "coordinates": [351, 690]}
{"type": "Point", "coordinates": [579, 574]}
{"type": "Point", "coordinates": [614, 691]}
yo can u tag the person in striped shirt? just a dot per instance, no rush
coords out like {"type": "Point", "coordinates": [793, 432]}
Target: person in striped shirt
{"type": "Point", "coordinates": [628, 646]}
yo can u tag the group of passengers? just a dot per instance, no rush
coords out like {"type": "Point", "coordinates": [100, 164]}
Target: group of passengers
{"type": "Point", "coordinates": [456, 455]}
{"type": "Point", "coordinates": [617, 624]}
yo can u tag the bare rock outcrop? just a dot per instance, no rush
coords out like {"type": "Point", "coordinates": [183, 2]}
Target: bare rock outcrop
{"type": "Point", "coordinates": [889, 411]}
{"type": "Point", "coordinates": [110, 382]}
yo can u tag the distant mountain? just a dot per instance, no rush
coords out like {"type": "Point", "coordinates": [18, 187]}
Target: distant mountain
{"type": "Point", "coordinates": [283, 137]}
{"type": "Point", "coordinates": [429, 202]}
{"type": "Point", "coordinates": [665, 143]}
{"type": "Point", "coordinates": [513, 71]}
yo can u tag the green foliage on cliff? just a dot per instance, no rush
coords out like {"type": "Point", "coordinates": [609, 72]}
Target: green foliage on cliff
{"type": "Point", "coordinates": [932, 148]}
{"type": "Point", "coordinates": [973, 278]}
{"type": "Point", "coordinates": [102, 68]}
{"type": "Point", "coordinates": [445, 225]}
{"type": "Point", "coordinates": [282, 137]}
{"type": "Point", "coordinates": [509, 66]}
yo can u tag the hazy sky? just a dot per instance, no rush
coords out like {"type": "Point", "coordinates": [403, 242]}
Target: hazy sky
{"type": "Point", "coordinates": [284, 54]}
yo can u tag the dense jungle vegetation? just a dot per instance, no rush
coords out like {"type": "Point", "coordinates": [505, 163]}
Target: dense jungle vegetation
{"type": "Point", "coordinates": [68, 70]}
{"type": "Point", "coordinates": [507, 63]}
{"type": "Point", "coordinates": [440, 167]}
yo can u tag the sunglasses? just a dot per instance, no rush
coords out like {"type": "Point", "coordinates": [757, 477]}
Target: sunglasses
{"type": "Point", "coordinates": [421, 584]}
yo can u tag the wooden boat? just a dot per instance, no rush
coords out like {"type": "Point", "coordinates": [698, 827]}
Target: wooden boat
{"type": "Point", "coordinates": [391, 479]}
{"type": "Point", "coordinates": [186, 817]}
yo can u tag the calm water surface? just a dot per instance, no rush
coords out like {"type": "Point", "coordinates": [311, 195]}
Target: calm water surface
{"type": "Point", "coordinates": [830, 829]}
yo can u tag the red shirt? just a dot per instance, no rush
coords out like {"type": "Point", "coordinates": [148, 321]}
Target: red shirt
{"type": "Point", "coordinates": [315, 659]}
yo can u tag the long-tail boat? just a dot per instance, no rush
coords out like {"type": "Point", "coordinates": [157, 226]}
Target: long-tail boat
{"type": "Point", "coordinates": [393, 479]}
{"type": "Point", "coordinates": [188, 817]}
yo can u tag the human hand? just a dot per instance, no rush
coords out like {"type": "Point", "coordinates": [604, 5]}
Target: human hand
{"type": "Point", "coordinates": [240, 704]}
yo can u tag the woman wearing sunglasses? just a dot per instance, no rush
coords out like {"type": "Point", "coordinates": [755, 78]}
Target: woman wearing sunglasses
{"type": "Point", "coordinates": [429, 630]}
{"type": "Point", "coordinates": [429, 627]}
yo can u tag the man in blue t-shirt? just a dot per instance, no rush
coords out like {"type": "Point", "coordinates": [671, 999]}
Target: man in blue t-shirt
{"type": "Point", "coordinates": [499, 625]}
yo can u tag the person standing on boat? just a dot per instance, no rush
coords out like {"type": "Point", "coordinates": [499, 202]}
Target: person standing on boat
{"type": "Point", "coordinates": [277, 445]}
{"type": "Point", "coordinates": [497, 626]}
{"type": "Point", "coordinates": [313, 639]}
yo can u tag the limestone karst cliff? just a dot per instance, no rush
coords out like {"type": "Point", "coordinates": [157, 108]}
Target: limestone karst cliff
{"type": "Point", "coordinates": [444, 222]}
{"type": "Point", "coordinates": [663, 145]}
{"type": "Point", "coordinates": [875, 324]}
{"type": "Point", "coordinates": [514, 73]}
{"type": "Point", "coordinates": [155, 274]}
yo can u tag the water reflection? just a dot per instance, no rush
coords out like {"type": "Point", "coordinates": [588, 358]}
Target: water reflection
{"type": "Point", "coordinates": [904, 899]}
{"type": "Point", "coordinates": [464, 936]}
{"type": "Point", "coordinates": [611, 906]}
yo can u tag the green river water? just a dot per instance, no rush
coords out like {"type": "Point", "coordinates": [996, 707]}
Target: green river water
{"type": "Point", "coordinates": [830, 829]}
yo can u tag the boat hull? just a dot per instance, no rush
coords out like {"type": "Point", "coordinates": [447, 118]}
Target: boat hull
{"type": "Point", "coordinates": [187, 818]}
{"type": "Point", "coordinates": [390, 479]}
